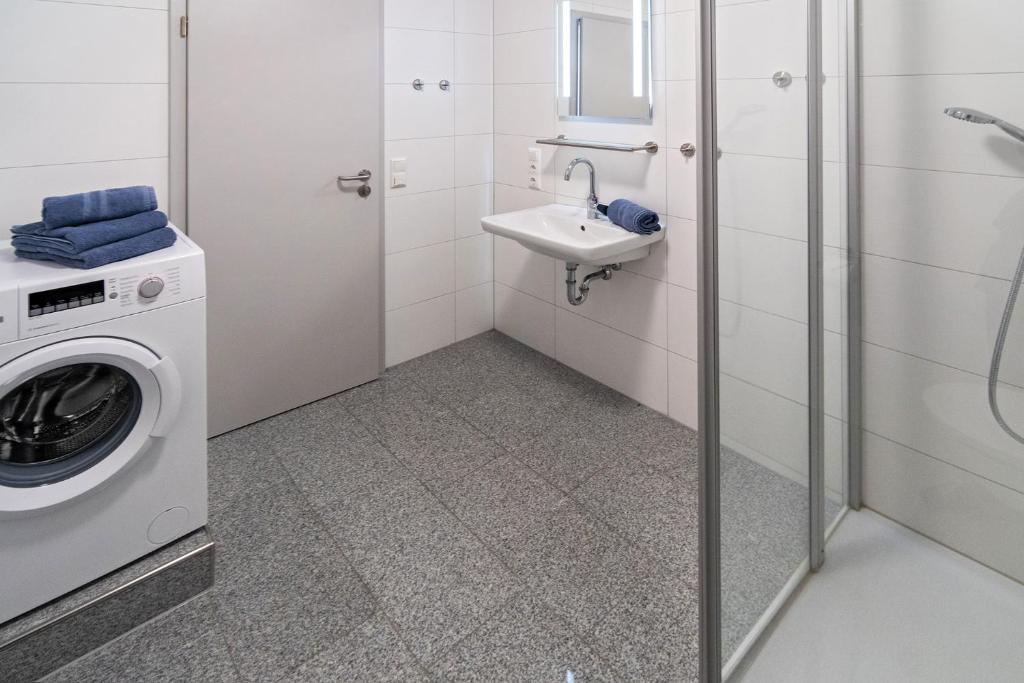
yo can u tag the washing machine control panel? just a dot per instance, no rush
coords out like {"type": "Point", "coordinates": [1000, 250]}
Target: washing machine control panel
{"type": "Point", "coordinates": [84, 299]}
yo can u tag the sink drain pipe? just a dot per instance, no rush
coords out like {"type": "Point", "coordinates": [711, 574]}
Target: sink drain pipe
{"type": "Point", "coordinates": [578, 296]}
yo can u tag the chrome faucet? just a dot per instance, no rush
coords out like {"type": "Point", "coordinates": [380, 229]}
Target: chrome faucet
{"type": "Point", "coordinates": [592, 211]}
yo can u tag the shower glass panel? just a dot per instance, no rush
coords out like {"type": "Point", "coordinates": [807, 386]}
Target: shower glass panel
{"type": "Point", "coordinates": [763, 275]}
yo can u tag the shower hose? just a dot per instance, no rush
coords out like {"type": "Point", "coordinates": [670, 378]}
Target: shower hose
{"type": "Point", "coordinates": [997, 354]}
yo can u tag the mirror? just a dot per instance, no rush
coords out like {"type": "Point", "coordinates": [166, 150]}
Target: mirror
{"type": "Point", "coordinates": [604, 60]}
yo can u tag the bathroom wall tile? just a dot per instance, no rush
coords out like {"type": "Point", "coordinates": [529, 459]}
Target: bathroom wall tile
{"type": "Point", "coordinates": [474, 109]}
{"type": "Point", "coordinates": [764, 194]}
{"type": "Point", "coordinates": [511, 16]}
{"type": "Point", "coordinates": [474, 16]}
{"type": "Point", "coordinates": [524, 318]}
{"type": "Point", "coordinates": [953, 220]}
{"type": "Point", "coordinates": [682, 390]}
{"type": "Point", "coordinates": [680, 46]}
{"type": "Point", "coordinates": [654, 266]}
{"type": "Point", "coordinates": [527, 57]}
{"type": "Point", "coordinates": [418, 220]}
{"type": "Point", "coordinates": [22, 189]}
{"type": "Point", "coordinates": [474, 311]}
{"type": "Point", "coordinates": [79, 43]}
{"type": "Point", "coordinates": [409, 54]}
{"type": "Point", "coordinates": [508, 198]}
{"type": "Point", "coordinates": [512, 163]}
{"type": "Point", "coordinates": [944, 412]}
{"type": "Point", "coordinates": [629, 303]}
{"type": "Point", "coordinates": [419, 329]}
{"type": "Point", "coordinates": [681, 240]}
{"type": "Point", "coordinates": [471, 204]}
{"type": "Point", "coordinates": [949, 37]}
{"type": "Point", "coordinates": [419, 274]}
{"type": "Point", "coordinates": [430, 164]}
{"type": "Point", "coordinates": [973, 515]}
{"type": "Point", "coordinates": [764, 272]}
{"type": "Point", "coordinates": [474, 261]}
{"type": "Point", "coordinates": [524, 270]}
{"type": "Point", "coordinates": [527, 110]}
{"type": "Point", "coordinates": [756, 117]}
{"type": "Point", "coordinates": [682, 322]}
{"type": "Point", "coordinates": [637, 177]}
{"type": "Point", "coordinates": [36, 133]}
{"type": "Point", "coordinates": [757, 39]}
{"type": "Point", "coordinates": [425, 15]}
{"type": "Point", "coordinates": [628, 365]}
{"type": "Point", "coordinates": [474, 160]}
{"type": "Point", "coordinates": [410, 113]}
{"type": "Point", "coordinates": [474, 59]}
{"type": "Point", "coordinates": [890, 141]}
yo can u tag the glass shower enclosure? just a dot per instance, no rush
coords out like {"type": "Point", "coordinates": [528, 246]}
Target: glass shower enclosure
{"type": "Point", "coordinates": [778, 401]}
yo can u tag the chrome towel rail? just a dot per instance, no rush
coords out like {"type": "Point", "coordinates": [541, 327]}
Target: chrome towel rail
{"type": "Point", "coordinates": [562, 141]}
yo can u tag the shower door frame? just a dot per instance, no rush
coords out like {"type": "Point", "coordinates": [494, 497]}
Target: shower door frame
{"type": "Point", "coordinates": [711, 664]}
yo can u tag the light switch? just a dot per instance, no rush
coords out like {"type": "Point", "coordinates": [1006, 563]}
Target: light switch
{"type": "Point", "coordinates": [536, 163]}
{"type": "Point", "coordinates": [399, 172]}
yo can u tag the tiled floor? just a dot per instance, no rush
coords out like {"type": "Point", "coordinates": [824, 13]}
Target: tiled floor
{"type": "Point", "coordinates": [479, 514]}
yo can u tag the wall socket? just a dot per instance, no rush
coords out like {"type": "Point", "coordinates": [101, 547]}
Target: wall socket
{"type": "Point", "coordinates": [536, 163]}
{"type": "Point", "coordinates": [399, 172]}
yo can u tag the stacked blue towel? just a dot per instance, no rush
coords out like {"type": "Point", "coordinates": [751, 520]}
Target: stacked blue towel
{"type": "Point", "coordinates": [95, 228]}
{"type": "Point", "coordinates": [632, 217]}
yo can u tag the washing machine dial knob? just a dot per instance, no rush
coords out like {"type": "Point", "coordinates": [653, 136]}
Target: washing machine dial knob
{"type": "Point", "coordinates": [151, 287]}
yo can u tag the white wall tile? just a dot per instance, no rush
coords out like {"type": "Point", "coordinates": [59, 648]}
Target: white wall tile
{"type": "Point", "coordinates": [418, 220]}
{"type": "Point", "coordinates": [23, 189]}
{"type": "Point", "coordinates": [409, 54]}
{"type": "Point", "coordinates": [419, 329]}
{"type": "Point", "coordinates": [109, 122]}
{"type": "Point", "coordinates": [756, 39]}
{"type": "Point", "coordinates": [427, 15]}
{"type": "Point", "coordinates": [764, 272]}
{"type": "Point", "coordinates": [512, 162]}
{"type": "Point", "coordinates": [472, 204]}
{"type": "Point", "coordinates": [680, 46]}
{"type": "Point", "coordinates": [419, 274]}
{"type": "Point", "coordinates": [629, 303]}
{"type": "Point", "coordinates": [474, 59]}
{"type": "Point", "coordinates": [682, 322]}
{"type": "Point", "coordinates": [508, 198]}
{"type": "Point", "coordinates": [527, 57]}
{"type": "Point", "coordinates": [474, 16]}
{"type": "Point", "coordinates": [682, 391]}
{"type": "Point", "coordinates": [430, 164]}
{"type": "Point", "coordinates": [973, 515]}
{"type": "Point", "coordinates": [525, 318]}
{"type": "Point", "coordinates": [681, 240]}
{"type": "Point", "coordinates": [756, 117]}
{"type": "Point", "coordinates": [637, 177]}
{"type": "Point", "coordinates": [628, 365]}
{"type": "Point", "coordinates": [474, 160]}
{"type": "Point", "coordinates": [527, 110]}
{"type": "Point", "coordinates": [474, 109]}
{"type": "Point", "coordinates": [474, 261]}
{"type": "Point", "coordinates": [524, 270]}
{"type": "Point", "coordinates": [410, 113]}
{"type": "Point", "coordinates": [474, 311]}
{"type": "Point", "coordinates": [511, 16]}
{"type": "Point", "coordinates": [80, 43]}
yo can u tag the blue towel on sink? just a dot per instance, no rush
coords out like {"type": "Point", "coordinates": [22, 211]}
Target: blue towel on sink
{"type": "Point", "coordinates": [101, 205]}
{"type": "Point", "coordinates": [106, 253]}
{"type": "Point", "coordinates": [632, 217]}
{"type": "Point", "coordinates": [75, 239]}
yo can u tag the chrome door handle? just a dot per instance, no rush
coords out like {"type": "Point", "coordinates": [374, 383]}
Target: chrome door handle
{"type": "Point", "coordinates": [363, 176]}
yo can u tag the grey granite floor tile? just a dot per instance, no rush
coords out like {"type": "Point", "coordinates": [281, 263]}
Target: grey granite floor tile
{"type": "Point", "coordinates": [432, 576]}
{"type": "Point", "coordinates": [284, 587]}
{"type": "Point", "coordinates": [511, 416]}
{"type": "Point", "coordinates": [528, 642]}
{"type": "Point", "coordinates": [656, 511]}
{"type": "Point", "coordinates": [661, 442]}
{"type": "Point", "coordinates": [502, 502]}
{"type": "Point", "coordinates": [182, 645]}
{"type": "Point", "coordinates": [431, 440]}
{"type": "Point", "coordinates": [569, 453]}
{"type": "Point", "coordinates": [577, 564]}
{"type": "Point", "coordinates": [373, 653]}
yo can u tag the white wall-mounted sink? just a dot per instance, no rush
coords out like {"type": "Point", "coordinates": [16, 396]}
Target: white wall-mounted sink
{"type": "Point", "coordinates": [565, 233]}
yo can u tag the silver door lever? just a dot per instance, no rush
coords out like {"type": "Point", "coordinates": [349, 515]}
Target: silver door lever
{"type": "Point", "coordinates": [363, 176]}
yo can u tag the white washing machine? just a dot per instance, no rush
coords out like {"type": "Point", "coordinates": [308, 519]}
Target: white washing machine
{"type": "Point", "coordinates": [102, 417]}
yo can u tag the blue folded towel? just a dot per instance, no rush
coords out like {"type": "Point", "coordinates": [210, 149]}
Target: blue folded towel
{"type": "Point", "coordinates": [106, 253]}
{"type": "Point", "coordinates": [75, 239]}
{"type": "Point", "coordinates": [632, 217]}
{"type": "Point", "coordinates": [102, 205]}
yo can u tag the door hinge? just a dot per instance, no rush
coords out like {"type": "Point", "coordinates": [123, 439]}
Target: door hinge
{"type": "Point", "coordinates": [183, 27]}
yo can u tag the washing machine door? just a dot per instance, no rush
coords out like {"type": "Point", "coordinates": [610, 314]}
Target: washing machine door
{"type": "Point", "coordinates": [75, 413]}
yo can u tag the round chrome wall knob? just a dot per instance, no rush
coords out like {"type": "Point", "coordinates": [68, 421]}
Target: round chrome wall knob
{"type": "Point", "coordinates": [151, 287]}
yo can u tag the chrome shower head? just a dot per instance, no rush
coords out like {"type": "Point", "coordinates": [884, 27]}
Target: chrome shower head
{"type": "Point", "coordinates": [975, 116]}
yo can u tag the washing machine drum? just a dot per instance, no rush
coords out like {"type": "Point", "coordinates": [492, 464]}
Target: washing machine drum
{"type": "Point", "coordinates": [75, 413]}
{"type": "Point", "coordinates": [63, 421]}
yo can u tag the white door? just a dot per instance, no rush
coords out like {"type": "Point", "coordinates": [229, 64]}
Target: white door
{"type": "Point", "coordinates": [283, 98]}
